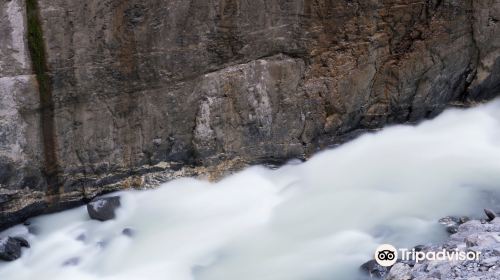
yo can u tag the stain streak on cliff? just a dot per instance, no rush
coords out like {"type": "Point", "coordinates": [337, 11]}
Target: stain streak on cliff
{"type": "Point", "coordinates": [39, 63]}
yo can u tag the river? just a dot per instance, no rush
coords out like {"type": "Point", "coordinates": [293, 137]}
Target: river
{"type": "Point", "coordinates": [319, 220]}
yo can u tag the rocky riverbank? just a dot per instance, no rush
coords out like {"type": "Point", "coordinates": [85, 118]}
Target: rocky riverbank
{"type": "Point", "coordinates": [467, 235]}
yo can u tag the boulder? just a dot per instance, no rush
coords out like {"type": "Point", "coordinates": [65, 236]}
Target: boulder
{"type": "Point", "coordinates": [103, 209]}
{"type": "Point", "coordinates": [490, 214]}
{"type": "Point", "coordinates": [10, 248]}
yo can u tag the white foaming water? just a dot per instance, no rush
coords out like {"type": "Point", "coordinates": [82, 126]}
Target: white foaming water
{"type": "Point", "coordinates": [316, 220]}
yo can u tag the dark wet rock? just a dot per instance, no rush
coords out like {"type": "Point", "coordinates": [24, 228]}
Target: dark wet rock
{"type": "Point", "coordinates": [10, 249]}
{"type": "Point", "coordinates": [22, 242]}
{"type": "Point", "coordinates": [490, 214]}
{"type": "Point", "coordinates": [374, 270]}
{"type": "Point", "coordinates": [452, 229]}
{"type": "Point", "coordinates": [103, 209]}
{"type": "Point", "coordinates": [128, 232]}
{"type": "Point", "coordinates": [72, 262]}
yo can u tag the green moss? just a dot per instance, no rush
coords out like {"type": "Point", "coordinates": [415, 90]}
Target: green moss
{"type": "Point", "coordinates": [39, 63]}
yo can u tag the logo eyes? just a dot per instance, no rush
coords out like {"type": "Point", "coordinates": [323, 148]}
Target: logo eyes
{"type": "Point", "coordinates": [386, 255]}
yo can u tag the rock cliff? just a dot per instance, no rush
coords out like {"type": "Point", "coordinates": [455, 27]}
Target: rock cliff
{"type": "Point", "coordinates": [98, 95]}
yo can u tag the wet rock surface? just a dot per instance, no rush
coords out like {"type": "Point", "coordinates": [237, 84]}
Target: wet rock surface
{"type": "Point", "coordinates": [181, 88]}
{"type": "Point", "coordinates": [103, 208]}
{"type": "Point", "coordinates": [10, 248]}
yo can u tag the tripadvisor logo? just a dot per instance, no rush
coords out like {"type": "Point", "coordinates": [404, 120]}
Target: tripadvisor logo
{"type": "Point", "coordinates": [387, 255]}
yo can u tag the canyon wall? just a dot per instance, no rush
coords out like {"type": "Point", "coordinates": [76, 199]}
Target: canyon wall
{"type": "Point", "coordinates": [97, 95]}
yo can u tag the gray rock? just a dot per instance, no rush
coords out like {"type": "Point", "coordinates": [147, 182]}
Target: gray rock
{"type": "Point", "coordinates": [473, 235]}
{"type": "Point", "coordinates": [103, 209]}
{"type": "Point", "coordinates": [399, 271]}
{"type": "Point", "coordinates": [482, 239]}
{"type": "Point", "coordinates": [374, 270]}
{"type": "Point", "coordinates": [490, 214]}
{"type": "Point", "coordinates": [10, 249]}
{"type": "Point", "coordinates": [491, 261]}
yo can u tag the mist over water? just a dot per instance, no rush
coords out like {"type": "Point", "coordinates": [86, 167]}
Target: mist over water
{"type": "Point", "coordinates": [315, 220]}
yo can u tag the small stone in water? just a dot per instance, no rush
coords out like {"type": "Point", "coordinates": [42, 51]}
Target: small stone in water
{"type": "Point", "coordinates": [33, 229]}
{"type": "Point", "coordinates": [81, 237]}
{"type": "Point", "coordinates": [128, 232]}
{"type": "Point", "coordinates": [102, 243]}
{"type": "Point", "coordinates": [72, 262]}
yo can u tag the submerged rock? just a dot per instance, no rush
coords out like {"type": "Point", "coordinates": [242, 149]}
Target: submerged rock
{"type": "Point", "coordinates": [128, 232]}
{"type": "Point", "coordinates": [10, 248]}
{"type": "Point", "coordinates": [72, 262]}
{"type": "Point", "coordinates": [103, 209]}
{"type": "Point", "coordinates": [82, 237]}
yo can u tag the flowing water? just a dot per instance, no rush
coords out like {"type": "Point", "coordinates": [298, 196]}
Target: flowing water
{"type": "Point", "coordinates": [315, 220]}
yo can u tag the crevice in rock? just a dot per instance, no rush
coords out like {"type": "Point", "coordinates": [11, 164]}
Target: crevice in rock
{"type": "Point", "coordinates": [39, 63]}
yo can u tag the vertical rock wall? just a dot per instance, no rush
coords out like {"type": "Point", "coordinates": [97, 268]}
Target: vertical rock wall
{"type": "Point", "coordinates": [189, 86]}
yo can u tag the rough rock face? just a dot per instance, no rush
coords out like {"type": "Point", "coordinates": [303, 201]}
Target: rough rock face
{"type": "Point", "coordinates": [184, 87]}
